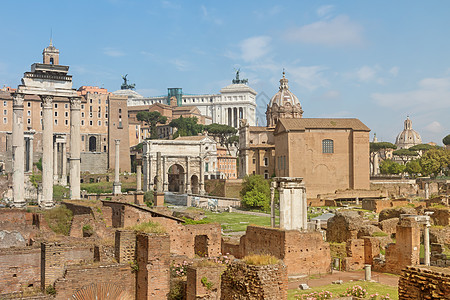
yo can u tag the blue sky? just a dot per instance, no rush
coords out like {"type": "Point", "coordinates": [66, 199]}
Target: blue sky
{"type": "Point", "coordinates": [378, 61]}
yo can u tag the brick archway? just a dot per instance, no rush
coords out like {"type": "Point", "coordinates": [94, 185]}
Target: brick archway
{"type": "Point", "coordinates": [102, 291]}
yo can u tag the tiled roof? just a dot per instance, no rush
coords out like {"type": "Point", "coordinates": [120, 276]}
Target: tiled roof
{"type": "Point", "coordinates": [318, 123]}
{"type": "Point", "coordinates": [191, 138]}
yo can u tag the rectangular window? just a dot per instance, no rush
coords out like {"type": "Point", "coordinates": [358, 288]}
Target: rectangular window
{"type": "Point", "coordinates": [56, 122]}
{"type": "Point", "coordinates": [28, 121]}
{"type": "Point", "coordinates": [66, 122]}
{"type": "Point", "coordinates": [56, 105]}
{"type": "Point", "coordinates": [99, 101]}
{"type": "Point", "coordinates": [90, 100]}
{"type": "Point", "coordinates": [82, 114]}
{"type": "Point", "coordinates": [106, 116]}
{"type": "Point", "coordinates": [206, 167]}
{"type": "Point", "coordinates": [5, 120]}
{"type": "Point", "coordinates": [90, 123]}
{"type": "Point", "coordinates": [82, 138]}
{"type": "Point", "coordinates": [5, 112]}
{"type": "Point", "coordinates": [82, 122]}
{"type": "Point", "coordinates": [28, 112]}
{"type": "Point", "coordinates": [41, 113]}
{"type": "Point", "coordinates": [99, 109]}
{"type": "Point", "coordinates": [4, 103]}
{"type": "Point", "coordinates": [56, 113]}
{"type": "Point", "coordinates": [66, 106]}
{"type": "Point", "coordinates": [29, 104]}
{"type": "Point", "coordinates": [82, 106]}
{"type": "Point", "coordinates": [266, 161]}
{"type": "Point", "coordinates": [66, 114]}
{"type": "Point", "coordinates": [99, 123]}
{"type": "Point", "coordinates": [327, 146]}
{"type": "Point", "coordinates": [106, 123]}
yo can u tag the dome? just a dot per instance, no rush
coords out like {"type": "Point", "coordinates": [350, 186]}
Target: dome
{"type": "Point", "coordinates": [408, 137]}
{"type": "Point", "coordinates": [284, 104]}
{"type": "Point", "coordinates": [129, 93]}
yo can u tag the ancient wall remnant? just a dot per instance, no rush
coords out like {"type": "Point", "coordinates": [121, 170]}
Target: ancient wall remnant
{"type": "Point", "coordinates": [355, 255]}
{"type": "Point", "coordinates": [424, 283]}
{"type": "Point", "coordinates": [203, 282]}
{"type": "Point", "coordinates": [343, 226]}
{"type": "Point", "coordinates": [125, 246]}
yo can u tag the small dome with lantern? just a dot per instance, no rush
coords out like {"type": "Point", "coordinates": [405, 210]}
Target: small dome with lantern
{"type": "Point", "coordinates": [408, 137]}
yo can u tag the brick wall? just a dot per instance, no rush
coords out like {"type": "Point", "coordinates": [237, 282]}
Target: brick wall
{"type": "Point", "coordinates": [55, 257]}
{"type": "Point", "coordinates": [267, 282]}
{"type": "Point", "coordinates": [153, 260]}
{"type": "Point", "coordinates": [424, 283]}
{"type": "Point", "coordinates": [302, 252]}
{"type": "Point", "coordinates": [115, 279]}
{"type": "Point", "coordinates": [94, 162]}
{"type": "Point", "coordinates": [125, 246]}
{"type": "Point", "coordinates": [198, 290]}
{"type": "Point", "coordinates": [355, 255]}
{"type": "Point", "coordinates": [19, 269]}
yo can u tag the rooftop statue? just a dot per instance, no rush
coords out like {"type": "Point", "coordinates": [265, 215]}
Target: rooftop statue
{"type": "Point", "coordinates": [237, 80]}
{"type": "Point", "coordinates": [125, 85]}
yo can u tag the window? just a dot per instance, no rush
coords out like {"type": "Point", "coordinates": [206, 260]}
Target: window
{"type": "Point", "coordinates": [90, 123]}
{"type": "Point", "coordinates": [254, 161]}
{"type": "Point", "coordinates": [120, 110]}
{"type": "Point", "coordinates": [99, 123]}
{"type": "Point", "coordinates": [266, 174]}
{"type": "Point", "coordinates": [5, 112]}
{"type": "Point", "coordinates": [41, 113]}
{"type": "Point", "coordinates": [82, 114]}
{"type": "Point", "coordinates": [99, 101]}
{"type": "Point", "coordinates": [82, 122]}
{"type": "Point", "coordinates": [106, 123]}
{"type": "Point", "coordinates": [106, 116]}
{"type": "Point", "coordinates": [66, 122]}
{"type": "Point", "coordinates": [66, 114]}
{"type": "Point", "coordinates": [90, 100]}
{"type": "Point", "coordinates": [90, 108]}
{"type": "Point", "coordinates": [82, 106]}
{"type": "Point", "coordinates": [206, 167]}
{"type": "Point", "coordinates": [82, 138]}
{"type": "Point", "coordinates": [327, 146]}
{"type": "Point", "coordinates": [29, 104]}
{"type": "Point", "coordinates": [266, 161]}
{"type": "Point", "coordinates": [28, 121]}
{"type": "Point", "coordinates": [56, 122]}
{"type": "Point", "coordinates": [5, 120]}
{"type": "Point", "coordinates": [28, 113]}
{"type": "Point", "coordinates": [56, 105]}
{"type": "Point", "coordinates": [4, 103]}
{"type": "Point", "coordinates": [66, 106]}
{"type": "Point", "coordinates": [56, 113]}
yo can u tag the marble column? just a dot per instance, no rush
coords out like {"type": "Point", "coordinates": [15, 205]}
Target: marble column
{"type": "Point", "coordinates": [18, 152]}
{"type": "Point", "coordinates": [293, 207]}
{"type": "Point", "coordinates": [159, 176]}
{"type": "Point", "coordinates": [63, 180]}
{"type": "Point", "coordinates": [188, 177]}
{"type": "Point", "coordinates": [201, 185]}
{"type": "Point", "coordinates": [426, 244]}
{"type": "Point", "coordinates": [376, 164]}
{"type": "Point", "coordinates": [165, 176]}
{"type": "Point", "coordinates": [138, 178]}
{"type": "Point", "coordinates": [145, 164]}
{"type": "Point", "coordinates": [273, 185]}
{"type": "Point", "coordinates": [47, 153]}
{"type": "Point", "coordinates": [30, 154]}
{"type": "Point", "coordinates": [55, 162]}
{"type": "Point", "coordinates": [75, 148]}
{"type": "Point", "coordinates": [117, 186]}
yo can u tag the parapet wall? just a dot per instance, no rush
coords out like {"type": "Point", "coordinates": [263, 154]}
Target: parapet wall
{"type": "Point", "coordinates": [424, 283]}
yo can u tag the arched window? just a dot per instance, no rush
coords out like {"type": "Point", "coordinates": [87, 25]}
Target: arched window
{"type": "Point", "coordinates": [327, 146]}
{"type": "Point", "coordinates": [51, 61]}
{"type": "Point", "coordinates": [92, 144]}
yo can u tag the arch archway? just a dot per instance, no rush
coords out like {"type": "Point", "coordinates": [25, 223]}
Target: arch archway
{"type": "Point", "coordinates": [111, 291]}
{"type": "Point", "coordinates": [176, 178]}
{"type": "Point", "coordinates": [92, 144]}
{"type": "Point", "coordinates": [194, 184]}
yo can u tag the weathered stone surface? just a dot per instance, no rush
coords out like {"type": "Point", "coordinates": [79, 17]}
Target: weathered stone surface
{"type": "Point", "coordinates": [389, 213]}
{"type": "Point", "coordinates": [424, 283]}
{"type": "Point", "coordinates": [344, 226]}
{"type": "Point", "coordinates": [440, 235]}
{"type": "Point", "coordinates": [11, 239]}
{"type": "Point", "coordinates": [389, 226]}
{"type": "Point", "coordinates": [440, 216]}
{"type": "Point", "coordinates": [367, 230]}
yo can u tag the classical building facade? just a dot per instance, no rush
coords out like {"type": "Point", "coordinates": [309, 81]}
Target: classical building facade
{"type": "Point", "coordinates": [408, 137]}
{"type": "Point", "coordinates": [234, 102]}
{"type": "Point", "coordinates": [329, 154]}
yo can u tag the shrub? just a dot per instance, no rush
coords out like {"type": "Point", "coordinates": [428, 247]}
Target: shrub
{"type": "Point", "coordinates": [50, 290]}
{"type": "Point", "coordinates": [207, 284]}
{"type": "Point", "coordinates": [148, 198]}
{"type": "Point", "coordinates": [148, 227]}
{"type": "Point", "coordinates": [255, 192]}
{"type": "Point", "coordinates": [179, 270]}
{"type": "Point", "coordinates": [356, 291]}
{"type": "Point", "coordinates": [317, 295]}
{"type": "Point", "coordinates": [260, 259]}
{"type": "Point", "coordinates": [59, 219]}
{"type": "Point", "coordinates": [379, 234]}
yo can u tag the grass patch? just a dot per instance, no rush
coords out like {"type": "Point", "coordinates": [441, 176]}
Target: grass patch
{"type": "Point", "coordinates": [233, 222]}
{"type": "Point", "coordinates": [106, 187]}
{"type": "Point", "coordinates": [337, 289]}
{"type": "Point", "coordinates": [59, 219]}
{"type": "Point", "coordinates": [260, 260]}
{"type": "Point", "coordinates": [60, 192]}
{"type": "Point", "coordinates": [379, 234]}
{"type": "Point", "coordinates": [148, 227]}
{"type": "Point", "coordinates": [188, 221]}
{"type": "Point", "coordinates": [338, 249]}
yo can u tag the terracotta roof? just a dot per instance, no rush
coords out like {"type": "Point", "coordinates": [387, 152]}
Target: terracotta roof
{"type": "Point", "coordinates": [191, 138]}
{"type": "Point", "coordinates": [260, 128]}
{"type": "Point", "coordinates": [319, 123]}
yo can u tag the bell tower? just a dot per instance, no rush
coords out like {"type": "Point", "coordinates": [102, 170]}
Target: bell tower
{"type": "Point", "coordinates": [50, 55]}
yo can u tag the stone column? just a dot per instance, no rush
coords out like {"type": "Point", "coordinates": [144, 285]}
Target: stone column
{"type": "Point", "coordinates": [47, 153]}
{"type": "Point", "coordinates": [64, 164]}
{"type": "Point", "coordinates": [367, 272]}
{"type": "Point", "coordinates": [55, 162]}
{"type": "Point", "coordinates": [188, 176]}
{"type": "Point", "coordinates": [293, 209]}
{"type": "Point", "coordinates": [145, 164]}
{"type": "Point", "coordinates": [138, 178]}
{"type": "Point", "coordinates": [117, 186]}
{"type": "Point", "coordinates": [30, 154]}
{"type": "Point", "coordinates": [159, 176]}
{"type": "Point", "coordinates": [426, 244]}
{"type": "Point", "coordinates": [427, 191]}
{"type": "Point", "coordinates": [200, 180]}
{"type": "Point", "coordinates": [164, 177]}
{"type": "Point", "coordinates": [18, 152]}
{"type": "Point", "coordinates": [273, 185]}
{"type": "Point", "coordinates": [75, 148]}
{"type": "Point", "coordinates": [376, 164]}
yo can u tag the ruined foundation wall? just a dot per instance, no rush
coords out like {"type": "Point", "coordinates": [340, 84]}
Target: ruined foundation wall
{"type": "Point", "coordinates": [424, 283]}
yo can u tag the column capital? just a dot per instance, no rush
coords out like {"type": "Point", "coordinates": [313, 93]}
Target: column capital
{"type": "Point", "coordinates": [18, 100]}
{"type": "Point", "coordinates": [46, 101]}
{"type": "Point", "coordinates": [75, 103]}
{"type": "Point", "coordinates": [117, 141]}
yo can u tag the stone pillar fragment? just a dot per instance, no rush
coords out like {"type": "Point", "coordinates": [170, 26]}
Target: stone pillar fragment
{"type": "Point", "coordinates": [63, 180]}
{"type": "Point", "coordinates": [18, 151]}
{"type": "Point", "coordinates": [146, 167]}
{"type": "Point", "coordinates": [188, 177]}
{"type": "Point", "coordinates": [138, 178]}
{"type": "Point", "coordinates": [75, 148]}
{"type": "Point", "coordinates": [201, 185]}
{"type": "Point", "coordinates": [47, 153]}
{"type": "Point", "coordinates": [30, 154]}
{"type": "Point", "coordinates": [159, 177]}
{"type": "Point", "coordinates": [376, 164]}
{"type": "Point", "coordinates": [293, 208]}
{"type": "Point", "coordinates": [426, 243]}
{"type": "Point", "coordinates": [367, 272]}
{"type": "Point", "coordinates": [55, 163]}
{"type": "Point", "coordinates": [117, 186]}
{"type": "Point", "coordinates": [273, 185]}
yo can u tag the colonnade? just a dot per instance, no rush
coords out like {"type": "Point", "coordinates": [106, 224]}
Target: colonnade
{"type": "Point", "coordinates": [49, 154]}
{"type": "Point", "coordinates": [234, 114]}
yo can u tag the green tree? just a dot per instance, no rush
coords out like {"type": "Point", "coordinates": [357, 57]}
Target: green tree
{"type": "Point", "coordinates": [151, 118]}
{"type": "Point", "coordinates": [390, 167]}
{"type": "Point", "coordinates": [224, 133]}
{"type": "Point", "coordinates": [255, 192]}
{"type": "Point", "coordinates": [405, 154]}
{"type": "Point", "coordinates": [413, 167]}
{"type": "Point", "coordinates": [446, 140]}
{"type": "Point", "coordinates": [435, 161]}
{"type": "Point", "coordinates": [186, 126]}
{"type": "Point", "coordinates": [380, 149]}
{"type": "Point", "coordinates": [421, 147]}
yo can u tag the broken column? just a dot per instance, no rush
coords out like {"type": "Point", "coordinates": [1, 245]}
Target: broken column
{"type": "Point", "coordinates": [293, 209]}
{"type": "Point", "coordinates": [426, 243]}
{"type": "Point", "coordinates": [146, 166]}
{"type": "Point", "coordinates": [75, 148]}
{"type": "Point", "coordinates": [138, 178]}
{"type": "Point", "coordinates": [367, 272]}
{"type": "Point", "coordinates": [18, 151]}
{"type": "Point", "coordinates": [201, 185]}
{"type": "Point", "coordinates": [63, 180]}
{"type": "Point", "coordinates": [158, 197]}
{"type": "Point", "coordinates": [47, 153]}
{"type": "Point", "coordinates": [273, 185]}
{"type": "Point", "coordinates": [117, 186]}
{"type": "Point", "coordinates": [30, 153]}
{"type": "Point", "coordinates": [188, 189]}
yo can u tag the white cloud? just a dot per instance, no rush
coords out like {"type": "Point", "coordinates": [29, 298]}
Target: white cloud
{"type": "Point", "coordinates": [255, 48]}
{"type": "Point", "coordinates": [366, 73]}
{"type": "Point", "coordinates": [310, 77]}
{"type": "Point", "coordinates": [273, 11]}
{"type": "Point", "coordinates": [113, 52]}
{"type": "Point", "coordinates": [209, 17]}
{"type": "Point", "coordinates": [331, 94]}
{"type": "Point", "coordinates": [180, 64]}
{"type": "Point", "coordinates": [324, 10]}
{"type": "Point", "coordinates": [339, 31]}
{"type": "Point", "coordinates": [434, 127]}
{"type": "Point", "coordinates": [432, 94]}
{"type": "Point", "coordinates": [394, 71]}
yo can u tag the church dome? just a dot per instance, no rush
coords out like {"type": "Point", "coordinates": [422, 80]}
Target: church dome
{"type": "Point", "coordinates": [284, 104]}
{"type": "Point", "coordinates": [408, 137]}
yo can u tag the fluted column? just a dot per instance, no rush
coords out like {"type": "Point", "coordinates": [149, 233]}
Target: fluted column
{"type": "Point", "coordinates": [47, 153]}
{"type": "Point", "coordinates": [138, 178]}
{"type": "Point", "coordinates": [55, 162]}
{"type": "Point", "coordinates": [117, 187]}
{"type": "Point", "coordinates": [30, 154]}
{"type": "Point", "coordinates": [63, 180]}
{"type": "Point", "coordinates": [75, 148]}
{"type": "Point", "coordinates": [18, 151]}
{"type": "Point", "coordinates": [426, 244]}
{"type": "Point", "coordinates": [201, 186]}
{"type": "Point", "coordinates": [188, 176]}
